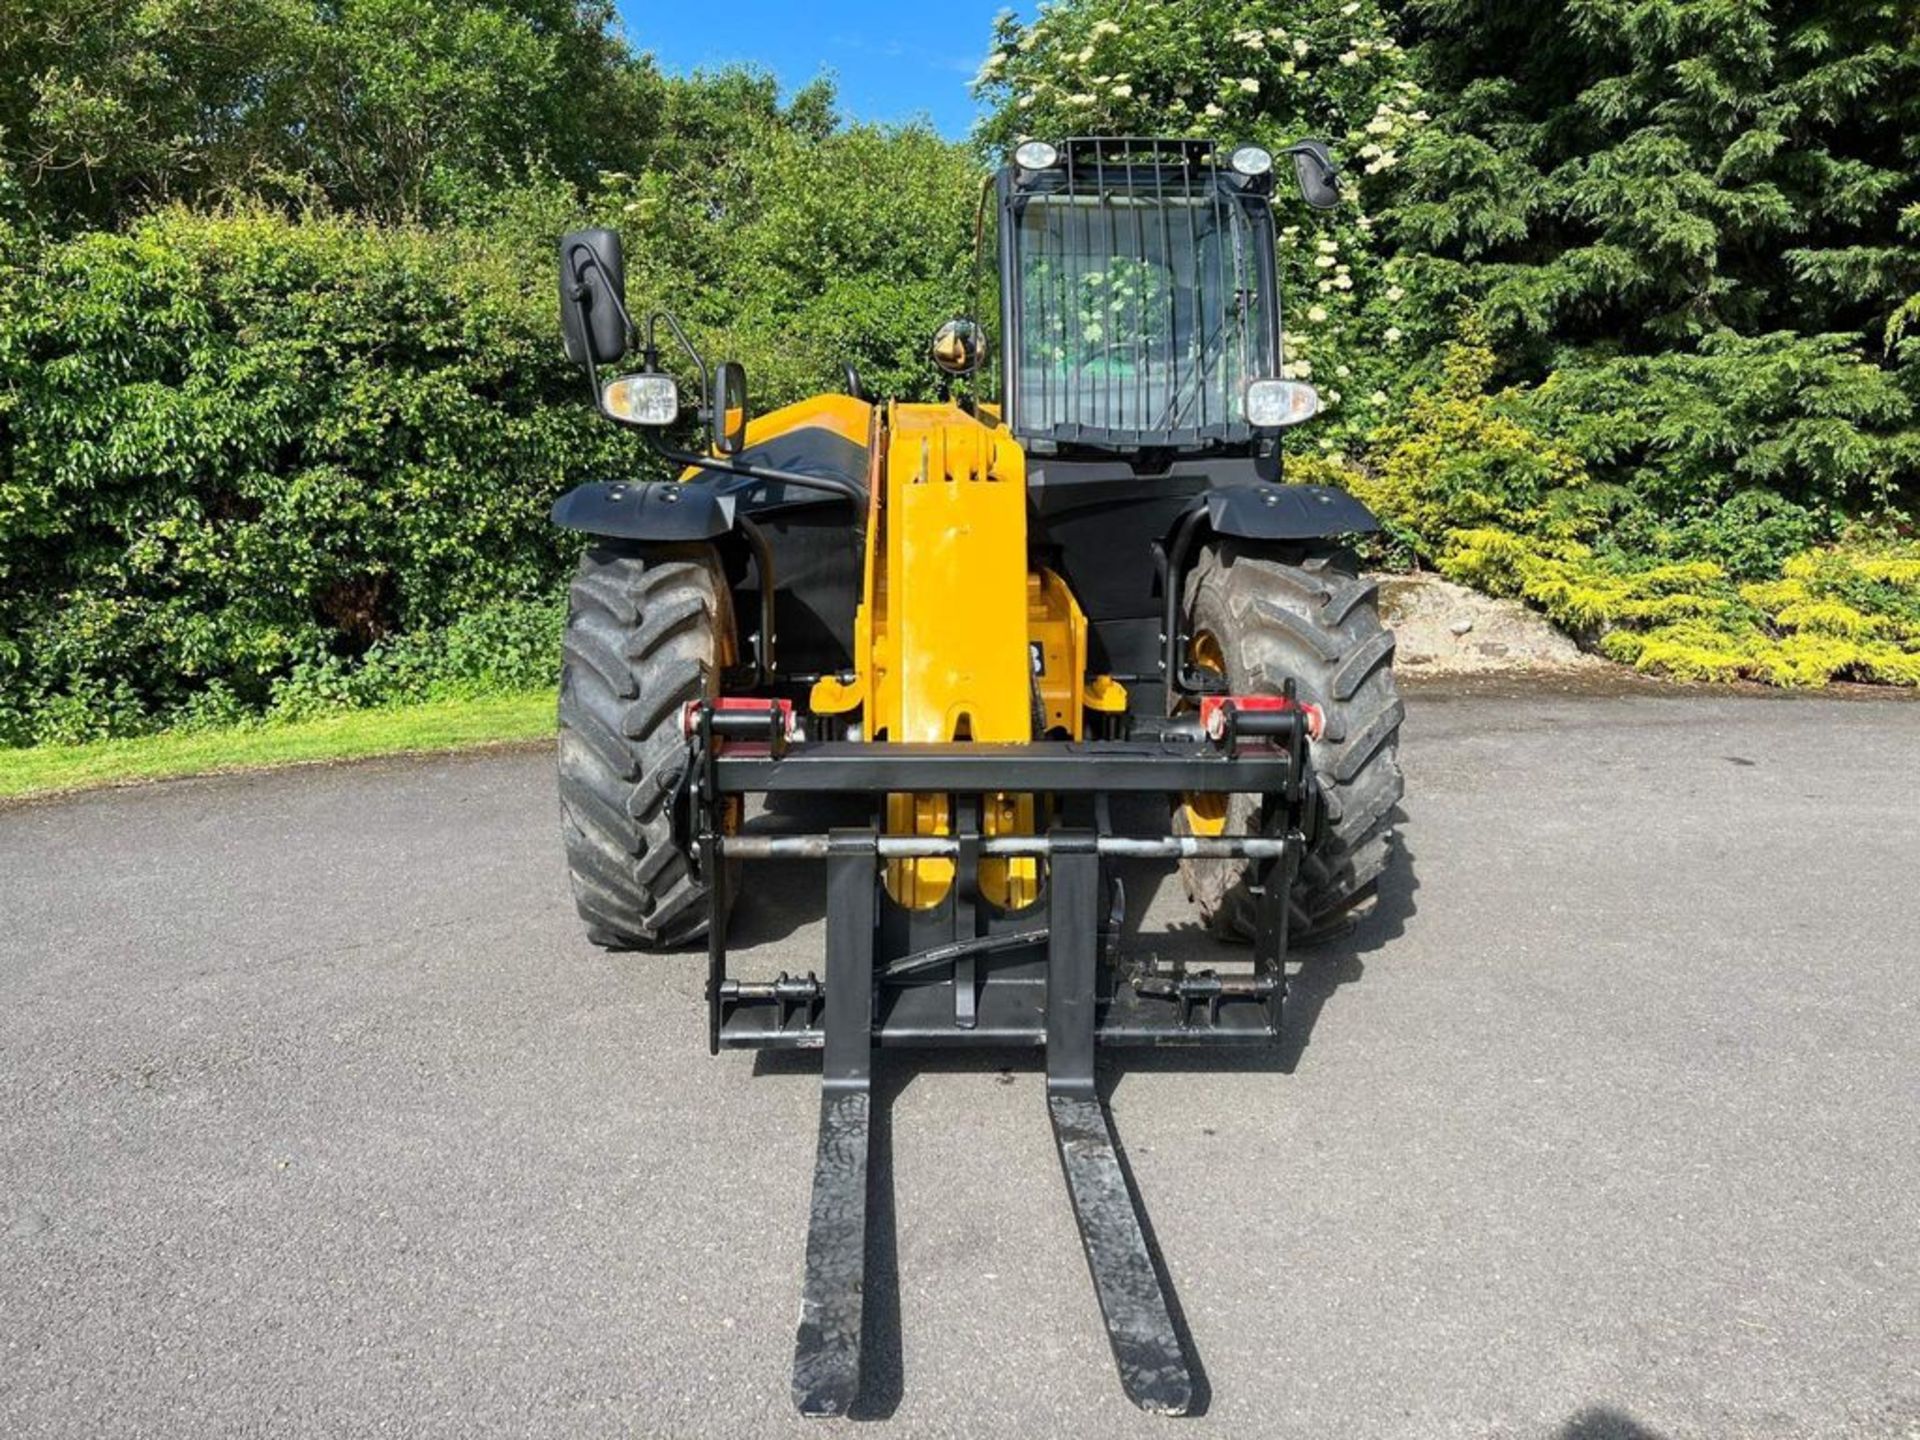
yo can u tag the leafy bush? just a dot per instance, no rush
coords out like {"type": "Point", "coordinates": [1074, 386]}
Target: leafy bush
{"type": "Point", "coordinates": [236, 444]}
{"type": "Point", "coordinates": [252, 463]}
{"type": "Point", "coordinates": [1456, 459]}
{"type": "Point", "coordinates": [1466, 483]}
{"type": "Point", "coordinates": [499, 650]}
{"type": "Point", "coordinates": [1840, 613]}
{"type": "Point", "coordinates": [798, 246]}
{"type": "Point", "coordinates": [401, 109]}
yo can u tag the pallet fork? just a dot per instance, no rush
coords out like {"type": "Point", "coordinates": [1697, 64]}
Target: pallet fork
{"type": "Point", "coordinates": [964, 974]}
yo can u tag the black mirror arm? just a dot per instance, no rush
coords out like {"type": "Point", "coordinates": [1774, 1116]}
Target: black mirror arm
{"type": "Point", "coordinates": [651, 355]}
{"type": "Point", "coordinates": [593, 367]}
{"type": "Point", "coordinates": [650, 350]}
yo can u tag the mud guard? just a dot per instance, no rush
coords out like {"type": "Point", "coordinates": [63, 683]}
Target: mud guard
{"type": "Point", "coordinates": [663, 510]}
{"type": "Point", "coordinates": [1287, 512]}
{"type": "Point", "coordinates": [1245, 512]}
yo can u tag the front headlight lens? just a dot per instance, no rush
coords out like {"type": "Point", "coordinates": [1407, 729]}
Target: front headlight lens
{"type": "Point", "coordinates": [642, 399]}
{"type": "Point", "coordinates": [1251, 161]}
{"type": "Point", "coordinates": [1036, 155]}
{"type": "Point", "coordinates": [1274, 404]}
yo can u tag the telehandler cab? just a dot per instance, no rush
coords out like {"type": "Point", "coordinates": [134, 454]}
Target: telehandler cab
{"type": "Point", "coordinates": [988, 617]}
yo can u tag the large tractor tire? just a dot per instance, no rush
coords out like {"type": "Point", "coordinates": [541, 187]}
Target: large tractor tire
{"type": "Point", "coordinates": [647, 632]}
{"type": "Point", "coordinates": [1261, 620]}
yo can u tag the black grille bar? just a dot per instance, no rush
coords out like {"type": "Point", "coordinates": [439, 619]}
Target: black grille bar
{"type": "Point", "coordinates": [1039, 767]}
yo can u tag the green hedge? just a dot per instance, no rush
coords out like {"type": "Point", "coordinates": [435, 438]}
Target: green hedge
{"type": "Point", "coordinates": [253, 463]}
{"type": "Point", "coordinates": [237, 447]}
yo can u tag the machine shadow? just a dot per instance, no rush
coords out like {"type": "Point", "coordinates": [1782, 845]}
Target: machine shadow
{"type": "Point", "coordinates": [775, 898]}
{"type": "Point", "coordinates": [883, 1368]}
{"type": "Point", "coordinates": [1603, 1422]}
{"type": "Point", "coordinates": [1314, 972]}
{"type": "Point", "coordinates": [1314, 976]}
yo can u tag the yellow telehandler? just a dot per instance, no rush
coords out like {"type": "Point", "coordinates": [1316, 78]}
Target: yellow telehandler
{"type": "Point", "coordinates": [987, 618]}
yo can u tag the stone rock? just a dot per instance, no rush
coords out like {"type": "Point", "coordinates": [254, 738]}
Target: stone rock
{"type": "Point", "coordinates": [1431, 619]}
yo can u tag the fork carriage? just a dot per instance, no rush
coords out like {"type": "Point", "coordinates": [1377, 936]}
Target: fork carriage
{"type": "Point", "coordinates": [966, 973]}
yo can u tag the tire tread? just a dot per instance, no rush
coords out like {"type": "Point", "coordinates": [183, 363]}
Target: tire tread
{"type": "Point", "coordinates": [1314, 620]}
{"type": "Point", "coordinates": [644, 636]}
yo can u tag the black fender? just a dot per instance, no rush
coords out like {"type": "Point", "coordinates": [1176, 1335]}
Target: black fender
{"type": "Point", "coordinates": [1245, 512]}
{"type": "Point", "coordinates": [1287, 512]}
{"type": "Point", "coordinates": [663, 510]}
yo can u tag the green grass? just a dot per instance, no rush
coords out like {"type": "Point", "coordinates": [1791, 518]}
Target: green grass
{"type": "Point", "coordinates": [444, 725]}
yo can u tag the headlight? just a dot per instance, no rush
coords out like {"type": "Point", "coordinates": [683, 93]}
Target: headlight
{"type": "Point", "coordinates": [1035, 155]}
{"type": "Point", "coordinates": [1273, 404]}
{"type": "Point", "coordinates": [642, 399]}
{"type": "Point", "coordinates": [1251, 160]}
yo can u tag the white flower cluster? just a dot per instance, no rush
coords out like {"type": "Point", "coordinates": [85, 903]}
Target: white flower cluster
{"type": "Point", "coordinates": [1327, 257]}
{"type": "Point", "coordinates": [1392, 122]}
{"type": "Point", "coordinates": [1362, 46]}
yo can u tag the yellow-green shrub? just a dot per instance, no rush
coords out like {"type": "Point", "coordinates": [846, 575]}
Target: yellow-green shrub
{"type": "Point", "coordinates": [1454, 460]}
{"type": "Point", "coordinates": [1464, 483]}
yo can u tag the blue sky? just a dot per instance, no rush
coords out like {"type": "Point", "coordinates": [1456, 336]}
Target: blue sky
{"type": "Point", "coordinates": [892, 61]}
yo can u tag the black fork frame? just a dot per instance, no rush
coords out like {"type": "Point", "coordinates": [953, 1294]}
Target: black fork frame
{"type": "Point", "coordinates": [965, 974]}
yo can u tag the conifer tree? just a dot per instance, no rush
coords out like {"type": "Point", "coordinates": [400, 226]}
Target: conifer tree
{"type": "Point", "coordinates": [1699, 217]}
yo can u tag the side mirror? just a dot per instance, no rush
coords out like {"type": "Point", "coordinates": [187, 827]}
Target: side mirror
{"type": "Point", "coordinates": [593, 297]}
{"type": "Point", "coordinates": [728, 415]}
{"type": "Point", "coordinates": [1313, 167]}
{"type": "Point", "coordinates": [960, 346]}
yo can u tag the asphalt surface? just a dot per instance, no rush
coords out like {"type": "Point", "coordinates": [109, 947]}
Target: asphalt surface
{"type": "Point", "coordinates": [317, 1115]}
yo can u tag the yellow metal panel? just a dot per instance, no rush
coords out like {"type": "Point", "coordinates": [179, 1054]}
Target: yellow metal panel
{"type": "Point", "coordinates": [949, 625]}
{"type": "Point", "coordinates": [1058, 629]}
{"type": "Point", "coordinates": [833, 696]}
{"type": "Point", "coordinates": [956, 578]}
{"type": "Point", "coordinates": [948, 617]}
